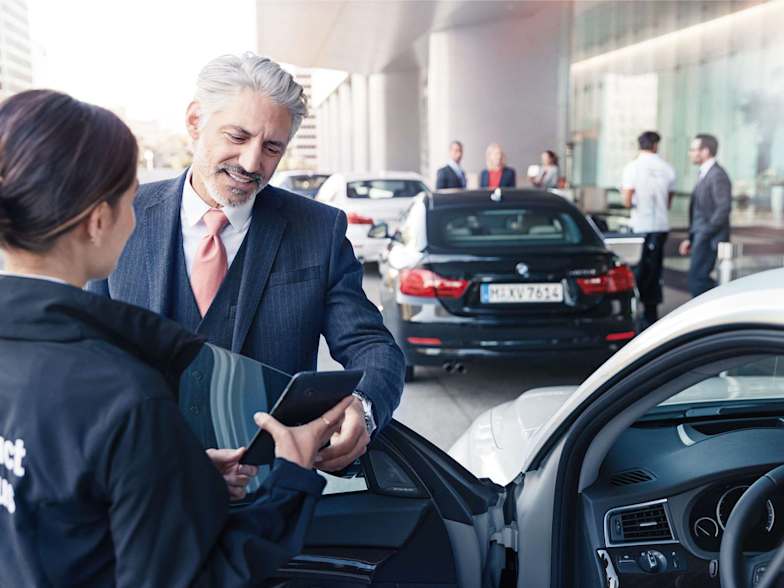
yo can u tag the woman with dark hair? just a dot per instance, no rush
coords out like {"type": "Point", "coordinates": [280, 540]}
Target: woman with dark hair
{"type": "Point", "coordinates": [547, 176]}
{"type": "Point", "coordinates": [101, 481]}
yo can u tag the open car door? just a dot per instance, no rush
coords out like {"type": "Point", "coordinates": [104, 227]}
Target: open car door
{"type": "Point", "coordinates": [406, 514]}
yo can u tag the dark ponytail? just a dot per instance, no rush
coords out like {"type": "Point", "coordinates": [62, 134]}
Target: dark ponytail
{"type": "Point", "coordinates": [59, 158]}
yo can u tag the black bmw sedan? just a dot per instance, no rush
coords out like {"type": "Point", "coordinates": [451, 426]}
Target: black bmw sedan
{"type": "Point", "coordinates": [502, 274]}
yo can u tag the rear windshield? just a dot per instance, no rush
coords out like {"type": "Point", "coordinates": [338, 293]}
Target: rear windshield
{"type": "Point", "coordinates": [381, 189]}
{"type": "Point", "coordinates": [307, 183]}
{"type": "Point", "coordinates": [508, 227]}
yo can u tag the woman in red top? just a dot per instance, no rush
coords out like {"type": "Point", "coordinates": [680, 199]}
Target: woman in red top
{"type": "Point", "coordinates": [497, 174]}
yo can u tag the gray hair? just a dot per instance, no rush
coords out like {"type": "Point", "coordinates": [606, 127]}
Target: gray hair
{"type": "Point", "coordinates": [226, 76]}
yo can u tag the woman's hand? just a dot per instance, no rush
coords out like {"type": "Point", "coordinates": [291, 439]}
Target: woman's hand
{"type": "Point", "coordinates": [300, 445]}
{"type": "Point", "coordinates": [237, 475]}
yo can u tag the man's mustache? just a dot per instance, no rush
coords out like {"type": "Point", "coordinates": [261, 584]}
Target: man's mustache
{"type": "Point", "coordinates": [238, 171]}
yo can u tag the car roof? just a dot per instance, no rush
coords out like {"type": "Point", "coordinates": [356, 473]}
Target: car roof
{"type": "Point", "coordinates": [751, 301]}
{"type": "Point", "coordinates": [383, 175]}
{"type": "Point", "coordinates": [459, 198]}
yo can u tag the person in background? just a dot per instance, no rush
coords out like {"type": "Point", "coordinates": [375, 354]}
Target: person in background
{"type": "Point", "coordinates": [648, 186]}
{"type": "Point", "coordinates": [709, 214]}
{"type": "Point", "coordinates": [497, 174]}
{"type": "Point", "coordinates": [103, 482]}
{"type": "Point", "coordinates": [452, 175]}
{"type": "Point", "coordinates": [547, 177]}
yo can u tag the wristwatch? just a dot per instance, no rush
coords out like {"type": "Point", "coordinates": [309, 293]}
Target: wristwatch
{"type": "Point", "coordinates": [367, 407]}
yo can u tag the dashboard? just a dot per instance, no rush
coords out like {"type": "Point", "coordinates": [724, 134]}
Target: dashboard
{"type": "Point", "coordinates": [666, 490]}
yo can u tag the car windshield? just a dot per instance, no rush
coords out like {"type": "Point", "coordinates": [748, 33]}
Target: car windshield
{"type": "Point", "coordinates": [383, 189]}
{"type": "Point", "coordinates": [534, 226]}
{"type": "Point", "coordinates": [307, 183]}
{"type": "Point", "coordinates": [757, 380]}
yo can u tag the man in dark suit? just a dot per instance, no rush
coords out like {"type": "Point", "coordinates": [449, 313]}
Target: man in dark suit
{"type": "Point", "coordinates": [452, 175]}
{"type": "Point", "coordinates": [709, 214]}
{"type": "Point", "coordinates": [256, 269]}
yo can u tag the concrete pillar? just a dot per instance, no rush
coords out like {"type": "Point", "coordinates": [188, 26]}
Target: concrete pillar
{"type": "Point", "coordinates": [346, 135]}
{"type": "Point", "coordinates": [322, 127]}
{"type": "Point", "coordinates": [333, 132]}
{"type": "Point", "coordinates": [502, 82]}
{"type": "Point", "coordinates": [394, 117]}
{"type": "Point", "coordinates": [361, 143]}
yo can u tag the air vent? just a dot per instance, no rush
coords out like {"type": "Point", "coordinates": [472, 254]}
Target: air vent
{"type": "Point", "coordinates": [631, 477]}
{"type": "Point", "coordinates": [643, 524]}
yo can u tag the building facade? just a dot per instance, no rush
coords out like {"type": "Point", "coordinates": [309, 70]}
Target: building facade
{"type": "Point", "coordinates": [16, 69]}
{"type": "Point", "coordinates": [680, 68]}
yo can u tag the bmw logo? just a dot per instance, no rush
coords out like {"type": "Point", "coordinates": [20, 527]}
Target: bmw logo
{"type": "Point", "coordinates": [521, 269]}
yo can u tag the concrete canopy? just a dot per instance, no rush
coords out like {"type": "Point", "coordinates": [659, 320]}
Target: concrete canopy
{"type": "Point", "coordinates": [368, 36]}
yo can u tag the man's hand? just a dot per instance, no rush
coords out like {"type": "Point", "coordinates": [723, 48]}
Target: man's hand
{"type": "Point", "coordinates": [237, 475]}
{"type": "Point", "coordinates": [685, 247]}
{"type": "Point", "coordinates": [347, 444]}
{"type": "Point", "coordinates": [300, 445]}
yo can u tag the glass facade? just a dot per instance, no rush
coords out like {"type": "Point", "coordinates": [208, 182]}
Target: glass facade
{"type": "Point", "coordinates": [681, 68]}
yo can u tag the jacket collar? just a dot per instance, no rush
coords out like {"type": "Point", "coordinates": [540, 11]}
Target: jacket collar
{"type": "Point", "coordinates": [40, 310]}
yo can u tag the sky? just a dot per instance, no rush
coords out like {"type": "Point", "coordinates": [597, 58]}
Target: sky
{"type": "Point", "coordinates": [137, 57]}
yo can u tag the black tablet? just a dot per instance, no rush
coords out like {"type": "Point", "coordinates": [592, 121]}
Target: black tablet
{"type": "Point", "coordinates": [307, 396]}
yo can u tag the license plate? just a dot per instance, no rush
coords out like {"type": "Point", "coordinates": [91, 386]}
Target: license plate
{"type": "Point", "coordinates": [514, 293]}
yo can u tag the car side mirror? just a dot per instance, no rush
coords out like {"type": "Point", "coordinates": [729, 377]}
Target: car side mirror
{"type": "Point", "coordinates": [379, 231]}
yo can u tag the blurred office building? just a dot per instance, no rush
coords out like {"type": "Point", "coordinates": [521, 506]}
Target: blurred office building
{"type": "Point", "coordinates": [302, 152]}
{"type": "Point", "coordinates": [16, 69]}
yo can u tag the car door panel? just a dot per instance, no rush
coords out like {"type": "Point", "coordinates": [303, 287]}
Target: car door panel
{"type": "Point", "coordinates": [366, 519]}
{"type": "Point", "coordinates": [422, 524]}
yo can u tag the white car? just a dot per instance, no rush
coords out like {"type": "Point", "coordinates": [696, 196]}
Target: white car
{"type": "Point", "coordinates": [657, 471]}
{"type": "Point", "coordinates": [369, 199]}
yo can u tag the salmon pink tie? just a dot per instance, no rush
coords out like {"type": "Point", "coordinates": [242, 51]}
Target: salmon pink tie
{"type": "Point", "coordinates": [210, 265]}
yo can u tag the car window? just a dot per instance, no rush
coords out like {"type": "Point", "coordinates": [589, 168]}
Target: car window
{"type": "Point", "coordinates": [525, 227]}
{"type": "Point", "coordinates": [760, 379]}
{"type": "Point", "coordinates": [384, 189]}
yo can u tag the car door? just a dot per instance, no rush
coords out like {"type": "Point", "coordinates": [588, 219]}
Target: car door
{"type": "Point", "coordinates": [405, 515]}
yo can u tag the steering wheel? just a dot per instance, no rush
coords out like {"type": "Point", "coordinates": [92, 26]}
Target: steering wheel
{"type": "Point", "coordinates": [737, 570]}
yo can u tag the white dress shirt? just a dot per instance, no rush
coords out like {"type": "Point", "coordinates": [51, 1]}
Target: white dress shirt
{"type": "Point", "coordinates": [705, 167]}
{"type": "Point", "coordinates": [194, 229]}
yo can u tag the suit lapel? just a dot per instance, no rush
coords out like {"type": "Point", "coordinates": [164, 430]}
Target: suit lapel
{"type": "Point", "coordinates": [161, 223]}
{"type": "Point", "coordinates": [263, 241]}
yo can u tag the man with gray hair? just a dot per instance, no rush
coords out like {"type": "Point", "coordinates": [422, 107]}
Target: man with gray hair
{"type": "Point", "coordinates": [253, 268]}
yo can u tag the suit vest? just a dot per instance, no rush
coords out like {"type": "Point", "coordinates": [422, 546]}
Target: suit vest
{"type": "Point", "coordinates": [218, 328]}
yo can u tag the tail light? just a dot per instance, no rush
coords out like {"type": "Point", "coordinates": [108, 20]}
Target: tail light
{"type": "Point", "coordinates": [358, 219]}
{"type": "Point", "coordinates": [421, 282]}
{"type": "Point", "coordinates": [618, 279]}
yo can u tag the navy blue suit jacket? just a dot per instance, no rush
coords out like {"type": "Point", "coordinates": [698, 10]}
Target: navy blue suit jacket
{"type": "Point", "coordinates": [446, 177]}
{"type": "Point", "coordinates": [300, 279]}
{"type": "Point", "coordinates": [508, 178]}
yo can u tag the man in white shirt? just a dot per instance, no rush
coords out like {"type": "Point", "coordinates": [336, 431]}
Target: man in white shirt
{"type": "Point", "coordinates": [648, 187]}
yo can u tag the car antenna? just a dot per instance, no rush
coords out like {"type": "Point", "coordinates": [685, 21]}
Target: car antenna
{"type": "Point", "coordinates": [496, 195]}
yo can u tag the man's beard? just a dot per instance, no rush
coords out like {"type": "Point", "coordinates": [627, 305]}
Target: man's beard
{"type": "Point", "coordinates": [236, 196]}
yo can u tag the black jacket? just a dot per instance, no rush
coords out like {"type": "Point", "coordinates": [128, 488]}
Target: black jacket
{"type": "Point", "coordinates": [108, 486]}
{"type": "Point", "coordinates": [446, 178]}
